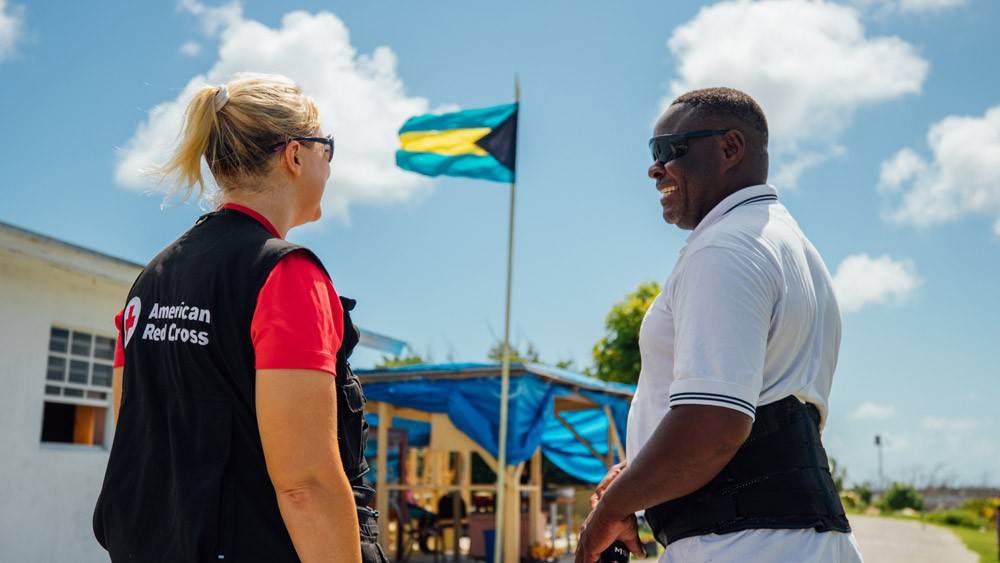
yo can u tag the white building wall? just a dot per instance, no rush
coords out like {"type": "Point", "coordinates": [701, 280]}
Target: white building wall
{"type": "Point", "coordinates": [47, 492]}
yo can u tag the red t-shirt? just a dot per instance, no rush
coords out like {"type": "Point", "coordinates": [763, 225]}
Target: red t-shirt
{"type": "Point", "coordinates": [298, 322]}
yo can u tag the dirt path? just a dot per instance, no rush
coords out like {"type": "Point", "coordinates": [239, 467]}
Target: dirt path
{"type": "Point", "coordinates": [884, 540]}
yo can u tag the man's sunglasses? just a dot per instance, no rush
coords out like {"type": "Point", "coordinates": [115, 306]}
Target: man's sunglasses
{"type": "Point", "coordinates": [328, 141]}
{"type": "Point", "coordinates": [668, 147]}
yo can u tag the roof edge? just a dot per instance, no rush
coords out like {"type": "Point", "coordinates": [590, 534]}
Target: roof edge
{"type": "Point", "coordinates": [74, 247]}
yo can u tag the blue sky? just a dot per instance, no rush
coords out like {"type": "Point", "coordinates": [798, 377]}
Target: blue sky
{"type": "Point", "coordinates": [884, 147]}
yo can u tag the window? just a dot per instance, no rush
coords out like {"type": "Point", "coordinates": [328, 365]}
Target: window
{"type": "Point", "coordinates": [77, 387]}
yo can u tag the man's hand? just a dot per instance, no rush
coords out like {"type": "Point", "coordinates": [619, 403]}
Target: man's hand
{"type": "Point", "coordinates": [599, 532]}
{"type": "Point", "coordinates": [613, 474]}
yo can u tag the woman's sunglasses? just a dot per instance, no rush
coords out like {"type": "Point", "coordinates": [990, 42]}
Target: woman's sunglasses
{"type": "Point", "coordinates": [328, 141]}
{"type": "Point", "coordinates": [668, 147]}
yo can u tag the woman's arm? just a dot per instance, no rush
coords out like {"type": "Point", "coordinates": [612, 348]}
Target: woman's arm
{"type": "Point", "coordinates": [116, 390]}
{"type": "Point", "coordinates": [297, 419]}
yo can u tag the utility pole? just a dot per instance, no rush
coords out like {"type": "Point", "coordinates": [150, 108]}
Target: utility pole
{"type": "Point", "coordinates": [881, 477]}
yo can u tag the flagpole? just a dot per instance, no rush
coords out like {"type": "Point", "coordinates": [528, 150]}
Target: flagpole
{"type": "Point", "coordinates": [505, 370]}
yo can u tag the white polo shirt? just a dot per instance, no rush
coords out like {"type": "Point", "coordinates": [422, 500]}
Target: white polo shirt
{"type": "Point", "coordinates": [746, 318]}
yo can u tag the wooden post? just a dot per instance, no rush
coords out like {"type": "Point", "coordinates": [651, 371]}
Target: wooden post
{"type": "Point", "coordinates": [467, 478]}
{"type": "Point", "coordinates": [512, 515]}
{"type": "Point", "coordinates": [535, 497]}
{"type": "Point", "coordinates": [381, 468]}
{"type": "Point", "coordinates": [997, 514]}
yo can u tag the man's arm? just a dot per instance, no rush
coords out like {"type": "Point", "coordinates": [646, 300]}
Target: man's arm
{"type": "Point", "coordinates": [689, 447]}
{"type": "Point", "coordinates": [297, 417]}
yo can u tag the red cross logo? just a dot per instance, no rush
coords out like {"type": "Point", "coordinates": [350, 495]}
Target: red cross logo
{"type": "Point", "coordinates": [130, 319]}
{"type": "Point", "coordinates": [133, 308]}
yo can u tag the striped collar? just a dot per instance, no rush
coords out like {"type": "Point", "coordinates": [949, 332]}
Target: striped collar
{"type": "Point", "coordinates": [746, 196]}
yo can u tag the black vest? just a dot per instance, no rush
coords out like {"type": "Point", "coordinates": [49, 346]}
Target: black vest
{"type": "Point", "coordinates": [186, 479]}
{"type": "Point", "coordinates": [779, 479]}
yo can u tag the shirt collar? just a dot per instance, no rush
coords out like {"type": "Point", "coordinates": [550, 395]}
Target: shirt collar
{"type": "Point", "coordinates": [260, 218]}
{"type": "Point", "coordinates": [748, 195]}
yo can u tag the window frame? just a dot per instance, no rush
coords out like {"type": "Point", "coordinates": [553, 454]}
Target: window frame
{"type": "Point", "coordinates": [68, 356]}
{"type": "Point", "coordinates": [104, 406]}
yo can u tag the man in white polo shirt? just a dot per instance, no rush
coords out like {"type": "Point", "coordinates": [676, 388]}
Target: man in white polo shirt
{"type": "Point", "coordinates": [738, 354]}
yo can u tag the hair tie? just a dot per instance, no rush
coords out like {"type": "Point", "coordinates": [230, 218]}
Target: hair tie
{"type": "Point", "coordinates": [221, 97]}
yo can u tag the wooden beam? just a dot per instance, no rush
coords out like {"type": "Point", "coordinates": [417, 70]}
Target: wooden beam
{"type": "Point", "coordinates": [573, 403]}
{"type": "Point", "coordinates": [445, 488]}
{"type": "Point", "coordinates": [401, 412]}
{"type": "Point", "coordinates": [381, 468]}
{"type": "Point", "coordinates": [582, 440]}
{"type": "Point", "coordinates": [613, 438]}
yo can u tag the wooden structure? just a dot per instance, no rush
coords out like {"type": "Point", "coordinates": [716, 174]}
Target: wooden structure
{"type": "Point", "coordinates": [447, 462]}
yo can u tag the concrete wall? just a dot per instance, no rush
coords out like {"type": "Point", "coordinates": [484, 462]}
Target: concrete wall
{"type": "Point", "coordinates": [47, 492]}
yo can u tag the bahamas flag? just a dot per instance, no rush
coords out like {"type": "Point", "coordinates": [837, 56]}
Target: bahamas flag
{"type": "Point", "coordinates": [476, 143]}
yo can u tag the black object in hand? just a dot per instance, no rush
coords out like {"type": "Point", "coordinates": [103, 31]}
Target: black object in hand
{"type": "Point", "coordinates": [615, 553]}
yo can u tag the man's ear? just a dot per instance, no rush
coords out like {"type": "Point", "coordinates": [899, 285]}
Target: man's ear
{"type": "Point", "coordinates": [734, 147]}
{"type": "Point", "coordinates": [290, 156]}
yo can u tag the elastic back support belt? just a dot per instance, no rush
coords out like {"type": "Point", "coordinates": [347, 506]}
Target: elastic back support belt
{"type": "Point", "coordinates": [779, 479]}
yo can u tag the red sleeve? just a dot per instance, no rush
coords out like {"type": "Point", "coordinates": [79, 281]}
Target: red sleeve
{"type": "Point", "coordinates": [298, 322]}
{"type": "Point", "coordinates": [119, 348]}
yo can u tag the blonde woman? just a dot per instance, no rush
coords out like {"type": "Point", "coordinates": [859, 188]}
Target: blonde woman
{"type": "Point", "coordinates": [240, 434]}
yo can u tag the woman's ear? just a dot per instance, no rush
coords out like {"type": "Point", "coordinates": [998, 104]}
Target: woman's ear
{"type": "Point", "coordinates": [291, 158]}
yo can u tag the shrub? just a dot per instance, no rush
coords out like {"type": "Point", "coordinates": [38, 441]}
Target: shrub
{"type": "Point", "coordinates": [958, 517]}
{"type": "Point", "coordinates": [985, 507]}
{"type": "Point", "coordinates": [850, 500]}
{"type": "Point", "coordinates": [864, 492]}
{"type": "Point", "coordinates": [900, 495]}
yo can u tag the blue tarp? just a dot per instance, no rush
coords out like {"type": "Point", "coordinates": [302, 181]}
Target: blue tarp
{"type": "Point", "coordinates": [470, 393]}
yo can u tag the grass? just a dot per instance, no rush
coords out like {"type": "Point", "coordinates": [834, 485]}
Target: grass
{"type": "Point", "coordinates": [983, 542]}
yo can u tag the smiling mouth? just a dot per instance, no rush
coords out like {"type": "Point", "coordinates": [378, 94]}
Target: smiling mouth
{"type": "Point", "coordinates": [666, 190]}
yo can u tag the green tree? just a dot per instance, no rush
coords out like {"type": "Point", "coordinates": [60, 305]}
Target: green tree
{"type": "Point", "coordinates": [839, 474]}
{"type": "Point", "coordinates": [397, 361]}
{"type": "Point", "coordinates": [530, 353]}
{"type": "Point", "coordinates": [616, 354]}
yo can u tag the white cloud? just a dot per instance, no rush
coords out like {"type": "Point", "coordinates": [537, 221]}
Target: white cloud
{"type": "Point", "coordinates": [214, 19]}
{"type": "Point", "coordinates": [902, 167]}
{"type": "Point", "coordinates": [947, 424]}
{"type": "Point", "coordinates": [361, 101]}
{"type": "Point", "coordinates": [808, 63]}
{"type": "Point", "coordinates": [190, 49]}
{"type": "Point", "coordinates": [797, 163]}
{"type": "Point", "coordinates": [861, 280]}
{"type": "Point", "coordinates": [961, 178]}
{"type": "Point", "coordinates": [11, 27]}
{"type": "Point", "coordinates": [873, 411]}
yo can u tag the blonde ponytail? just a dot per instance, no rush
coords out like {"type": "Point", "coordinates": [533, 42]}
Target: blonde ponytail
{"type": "Point", "coordinates": [255, 111]}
